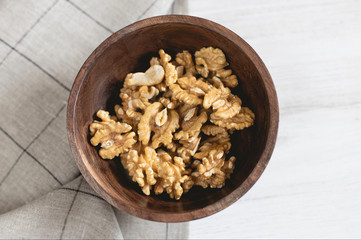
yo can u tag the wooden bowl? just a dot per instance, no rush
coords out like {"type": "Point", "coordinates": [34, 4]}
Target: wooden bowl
{"type": "Point", "coordinates": [97, 87]}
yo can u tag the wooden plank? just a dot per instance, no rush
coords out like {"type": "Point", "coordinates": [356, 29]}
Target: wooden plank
{"type": "Point", "coordinates": [311, 187]}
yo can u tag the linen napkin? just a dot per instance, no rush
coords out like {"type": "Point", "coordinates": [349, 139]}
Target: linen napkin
{"type": "Point", "coordinates": [43, 44]}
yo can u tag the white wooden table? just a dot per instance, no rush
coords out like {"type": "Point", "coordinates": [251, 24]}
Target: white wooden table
{"type": "Point", "coordinates": [312, 185]}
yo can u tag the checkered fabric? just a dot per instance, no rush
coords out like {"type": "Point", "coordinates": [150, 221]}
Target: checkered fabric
{"type": "Point", "coordinates": [43, 44]}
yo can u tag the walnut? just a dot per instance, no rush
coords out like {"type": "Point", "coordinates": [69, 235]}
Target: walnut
{"type": "Point", "coordinates": [245, 118]}
{"type": "Point", "coordinates": [227, 108]}
{"type": "Point", "coordinates": [189, 114]}
{"type": "Point", "coordinates": [220, 142]}
{"type": "Point", "coordinates": [192, 127]}
{"type": "Point", "coordinates": [152, 76]}
{"type": "Point", "coordinates": [180, 71]}
{"type": "Point", "coordinates": [183, 110]}
{"type": "Point", "coordinates": [162, 123]}
{"type": "Point", "coordinates": [224, 104]}
{"type": "Point", "coordinates": [169, 69]}
{"type": "Point", "coordinates": [168, 93]}
{"type": "Point", "coordinates": [213, 170]}
{"type": "Point", "coordinates": [227, 78]}
{"type": "Point", "coordinates": [189, 90]}
{"type": "Point", "coordinates": [228, 166]}
{"type": "Point", "coordinates": [213, 60]}
{"type": "Point", "coordinates": [114, 137]}
{"type": "Point", "coordinates": [140, 165]}
{"type": "Point", "coordinates": [196, 86]}
{"type": "Point", "coordinates": [215, 94]}
{"type": "Point", "coordinates": [163, 133]}
{"type": "Point", "coordinates": [189, 148]}
{"type": "Point", "coordinates": [185, 60]}
{"type": "Point", "coordinates": [148, 167]}
{"type": "Point", "coordinates": [162, 87]}
{"type": "Point", "coordinates": [134, 102]}
{"type": "Point", "coordinates": [161, 118]}
{"type": "Point", "coordinates": [122, 116]}
{"type": "Point", "coordinates": [209, 59]}
{"type": "Point", "coordinates": [169, 103]}
{"type": "Point", "coordinates": [172, 176]}
{"type": "Point", "coordinates": [216, 82]}
{"type": "Point", "coordinates": [148, 93]}
{"type": "Point", "coordinates": [154, 61]}
{"type": "Point", "coordinates": [213, 130]}
{"type": "Point", "coordinates": [147, 122]}
{"type": "Point", "coordinates": [184, 96]}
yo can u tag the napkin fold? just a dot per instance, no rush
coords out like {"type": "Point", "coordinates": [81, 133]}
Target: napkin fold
{"type": "Point", "coordinates": [42, 194]}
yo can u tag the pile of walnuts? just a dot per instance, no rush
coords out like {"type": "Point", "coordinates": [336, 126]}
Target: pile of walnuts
{"type": "Point", "coordinates": [172, 129]}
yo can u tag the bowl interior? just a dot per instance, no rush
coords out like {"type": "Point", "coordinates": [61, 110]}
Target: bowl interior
{"type": "Point", "coordinates": [102, 80]}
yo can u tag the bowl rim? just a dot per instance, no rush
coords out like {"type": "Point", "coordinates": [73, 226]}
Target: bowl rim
{"type": "Point", "coordinates": [222, 203]}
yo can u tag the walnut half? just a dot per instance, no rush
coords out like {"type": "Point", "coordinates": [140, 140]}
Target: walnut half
{"type": "Point", "coordinates": [114, 137]}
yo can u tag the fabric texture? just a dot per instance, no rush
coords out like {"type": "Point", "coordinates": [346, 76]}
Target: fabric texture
{"type": "Point", "coordinates": [43, 44]}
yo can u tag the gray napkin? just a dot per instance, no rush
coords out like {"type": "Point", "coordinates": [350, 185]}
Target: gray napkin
{"type": "Point", "coordinates": [43, 44]}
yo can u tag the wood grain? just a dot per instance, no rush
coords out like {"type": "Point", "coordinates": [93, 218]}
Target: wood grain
{"type": "Point", "coordinates": [310, 189]}
{"type": "Point", "coordinates": [129, 50]}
